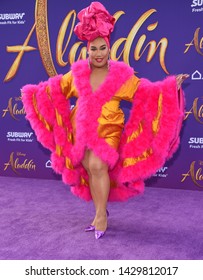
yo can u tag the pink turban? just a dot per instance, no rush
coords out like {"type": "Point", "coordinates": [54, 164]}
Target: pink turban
{"type": "Point", "coordinates": [95, 21]}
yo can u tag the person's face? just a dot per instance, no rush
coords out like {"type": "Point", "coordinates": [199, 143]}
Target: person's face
{"type": "Point", "coordinates": [98, 53]}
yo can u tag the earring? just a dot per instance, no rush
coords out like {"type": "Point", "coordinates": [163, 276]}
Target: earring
{"type": "Point", "coordinates": [109, 61]}
{"type": "Point", "coordinates": [89, 65]}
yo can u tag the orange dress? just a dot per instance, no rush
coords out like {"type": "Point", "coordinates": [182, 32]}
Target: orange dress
{"type": "Point", "coordinates": [111, 120]}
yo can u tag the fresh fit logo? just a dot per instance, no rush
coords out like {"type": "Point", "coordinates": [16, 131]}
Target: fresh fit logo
{"type": "Point", "coordinates": [195, 143]}
{"type": "Point", "coordinates": [13, 136]}
{"type": "Point", "coordinates": [197, 6]}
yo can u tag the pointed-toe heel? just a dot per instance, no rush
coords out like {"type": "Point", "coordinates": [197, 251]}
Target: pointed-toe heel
{"type": "Point", "coordinates": [99, 234]}
{"type": "Point", "coordinates": [90, 228]}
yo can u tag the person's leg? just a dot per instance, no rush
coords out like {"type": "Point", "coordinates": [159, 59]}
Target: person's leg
{"type": "Point", "coordinates": [85, 163]}
{"type": "Point", "coordinates": [100, 187]}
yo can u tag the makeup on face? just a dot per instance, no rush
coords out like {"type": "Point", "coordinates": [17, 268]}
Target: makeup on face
{"type": "Point", "coordinates": [98, 52]}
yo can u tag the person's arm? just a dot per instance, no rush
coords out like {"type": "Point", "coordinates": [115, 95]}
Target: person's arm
{"type": "Point", "coordinates": [67, 85]}
{"type": "Point", "coordinates": [152, 132]}
{"type": "Point", "coordinates": [129, 88]}
{"type": "Point", "coordinates": [46, 105]}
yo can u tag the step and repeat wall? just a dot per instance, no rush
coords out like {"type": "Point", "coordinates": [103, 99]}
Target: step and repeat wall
{"type": "Point", "coordinates": [157, 38]}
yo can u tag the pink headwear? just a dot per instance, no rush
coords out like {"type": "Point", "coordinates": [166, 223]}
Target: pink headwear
{"type": "Point", "coordinates": [95, 21]}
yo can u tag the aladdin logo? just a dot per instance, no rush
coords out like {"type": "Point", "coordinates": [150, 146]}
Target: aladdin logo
{"type": "Point", "coordinates": [13, 108]}
{"type": "Point", "coordinates": [161, 172]}
{"type": "Point", "coordinates": [19, 162]}
{"type": "Point", "coordinates": [195, 173]}
{"type": "Point", "coordinates": [121, 49]}
{"type": "Point", "coordinates": [196, 110]}
{"type": "Point", "coordinates": [196, 42]}
{"type": "Point", "coordinates": [197, 3]}
{"type": "Point", "coordinates": [196, 140]}
{"type": "Point", "coordinates": [19, 136]}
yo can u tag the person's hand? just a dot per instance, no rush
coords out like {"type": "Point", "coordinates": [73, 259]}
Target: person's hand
{"type": "Point", "coordinates": [180, 79]}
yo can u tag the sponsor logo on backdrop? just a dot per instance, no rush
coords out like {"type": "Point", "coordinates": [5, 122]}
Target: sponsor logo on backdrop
{"type": "Point", "coordinates": [195, 143]}
{"type": "Point", "coordinates": [196, 43]}
{"type": "Point", "coordinates": [162, 172]}
{"type": "Point", "coordinates": [194, 174]}
{"type": "Point", "coordinates": [18, 162]}
{"type": "Point", "coordinates": [197, 6]}
{"type": "Point", "coordinates": [48, 164]}
{"type": "Point", "coordinates": [14, 108]}
{"type": "Point", "coordinates": [196, 75]}
{"type": "Point", "coordinates": [196, 110]}
{"type": "Point", "coordinates": [14, 136]}
{"type": "Point", "coordinates": [12, 18]}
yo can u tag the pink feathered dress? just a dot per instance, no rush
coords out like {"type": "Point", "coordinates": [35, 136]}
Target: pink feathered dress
{"type": "Point", "coordinates": [134, 152]}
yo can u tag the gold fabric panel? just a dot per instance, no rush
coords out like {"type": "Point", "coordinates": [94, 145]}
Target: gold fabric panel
{"type": "Point", "coordinates": [73, 123]}
{"type": "Point", "coordinates": [48, 126]}
{"type": "Point", "coordinates": [155, 123]}
{"type": "Point", "coordinates": [83, 182]}
{"type": "Point", "coordinates": [58, 150]}
{"type": "Point", "coordinates": [48, 93]}
{"type": "Point", "coordinates": [70, 137]}
{"type": "Point", "coordinates": [135, 133]}
{"type": "Point", "coordinates": [111, 123]}
{"type": "Point", "coordinates": [132, 161]}
{"type": "Point", "coordinates": [69, 90]}
{"type": "Point", "coordinates": [68, 163]}
{"type": "Point", "coordinates": [58, 118]}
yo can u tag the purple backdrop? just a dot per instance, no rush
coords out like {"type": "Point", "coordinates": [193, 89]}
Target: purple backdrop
{"type": "Point", "coordinates": [154, 37]}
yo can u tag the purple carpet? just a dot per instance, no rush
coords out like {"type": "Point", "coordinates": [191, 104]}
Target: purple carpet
{"type": "Point", "coordinates": [42, 220]}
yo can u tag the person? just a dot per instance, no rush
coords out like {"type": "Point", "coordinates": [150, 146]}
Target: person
{"type": "Point", "coordinates": [99, 157]}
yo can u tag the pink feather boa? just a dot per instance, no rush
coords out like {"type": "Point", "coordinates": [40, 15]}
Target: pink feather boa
{"type": "Point", "coordinates": [129, 180]}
